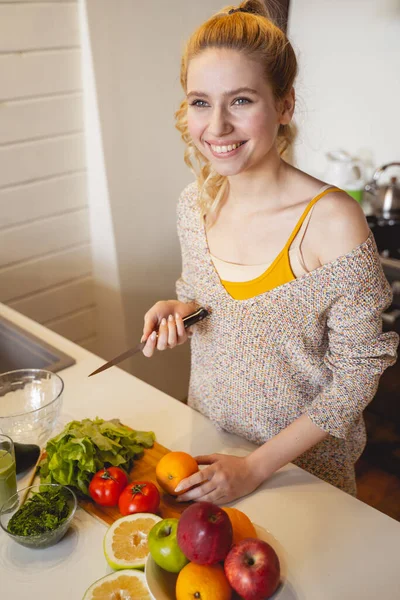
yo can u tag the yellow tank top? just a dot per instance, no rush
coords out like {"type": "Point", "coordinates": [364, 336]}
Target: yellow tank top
{"type": "Point", "coordinates": [280, 271]}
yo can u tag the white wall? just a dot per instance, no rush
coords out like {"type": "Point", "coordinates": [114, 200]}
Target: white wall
{"type": "Point", "coordinates": [349, 84]}
{"type": "Point", "coordinates": [136, 48]}
{"type": "Point", "coordinates": [45, 255]}
{"type": "Point", "coordinates": [111, 325]}
{"type": "Point", "coordinates": [348, 92]}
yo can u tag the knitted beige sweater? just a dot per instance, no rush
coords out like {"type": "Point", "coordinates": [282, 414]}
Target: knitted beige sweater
{"type": "Point", "coordinates": [313, 345]}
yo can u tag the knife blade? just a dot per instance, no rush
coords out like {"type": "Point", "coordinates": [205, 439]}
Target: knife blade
{"type": "Point", "coordinates": [191, 319]}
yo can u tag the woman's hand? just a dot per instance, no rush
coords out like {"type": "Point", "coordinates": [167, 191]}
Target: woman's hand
{"type": "Point", "coordinates": [166, 316]}
{"type": "Point", "coordinates": [224, 479]}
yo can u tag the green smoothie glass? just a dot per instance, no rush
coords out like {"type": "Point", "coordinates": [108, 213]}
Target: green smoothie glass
{"type": "Point", "coordinates": [8, 472]}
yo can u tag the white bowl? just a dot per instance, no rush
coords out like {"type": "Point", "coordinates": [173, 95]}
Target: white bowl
{"type": "Point", "coordinates": [162, 584]}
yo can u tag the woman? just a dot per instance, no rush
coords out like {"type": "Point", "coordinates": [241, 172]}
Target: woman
{"type": "Point", "coordinates": [293, 350]}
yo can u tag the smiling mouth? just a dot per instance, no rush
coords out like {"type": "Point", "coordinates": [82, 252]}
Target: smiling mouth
{"type": "Point", "coordinates": [225, 149]}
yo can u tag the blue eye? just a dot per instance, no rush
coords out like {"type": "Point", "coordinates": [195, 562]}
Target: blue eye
{"type": "Point", "coordinates": [197, 103]}
{"type": "Point", "coordinates": [203, 104]}
{"type": "Point", "coordinates": [243, 101]}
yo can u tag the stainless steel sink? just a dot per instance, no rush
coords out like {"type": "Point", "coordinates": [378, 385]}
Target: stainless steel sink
{"type": "Point", "coordinates": [22, 350]}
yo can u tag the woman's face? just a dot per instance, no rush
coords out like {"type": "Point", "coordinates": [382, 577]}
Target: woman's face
{"type": "Point", "coordinates": [232, 115]}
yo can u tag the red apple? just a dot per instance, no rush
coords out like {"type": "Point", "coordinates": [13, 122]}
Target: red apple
{"type": "Point", "coordinates": [204, 533]}
{"type": "Point", "coordinates": [252, 569]}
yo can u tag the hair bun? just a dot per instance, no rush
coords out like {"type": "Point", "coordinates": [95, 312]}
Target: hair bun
{"type": "Point", "coordinates": [255, 7]}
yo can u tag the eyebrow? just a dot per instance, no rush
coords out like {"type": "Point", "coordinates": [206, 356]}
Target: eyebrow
{"type": "Point", "coordinates": [231, 93]}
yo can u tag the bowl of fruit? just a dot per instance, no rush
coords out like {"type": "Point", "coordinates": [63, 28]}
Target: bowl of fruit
{"type": "Point", "coordinates": [199, 550]}
{"type": "Point", "coordinates": [213, 553]}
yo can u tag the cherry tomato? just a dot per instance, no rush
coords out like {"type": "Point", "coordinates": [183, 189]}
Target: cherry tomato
{"type": "Point", "coordinates": [107, 485]}
{"type": "Point", "coordinates": [139, 496]}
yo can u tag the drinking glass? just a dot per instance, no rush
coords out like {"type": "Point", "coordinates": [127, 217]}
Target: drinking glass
{"type": "Point", "coordinates": [8, 472]}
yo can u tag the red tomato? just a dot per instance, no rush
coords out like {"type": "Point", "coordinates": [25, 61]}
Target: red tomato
{"type": "Point", "coordinates": [107, 485]}
{"type": "Point", "coordinates": [139, 496]}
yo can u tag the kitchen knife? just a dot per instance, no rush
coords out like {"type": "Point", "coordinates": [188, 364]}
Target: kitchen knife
{"type": "Point", "coordinates": [191, 319]}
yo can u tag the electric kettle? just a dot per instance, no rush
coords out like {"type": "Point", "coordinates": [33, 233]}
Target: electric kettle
{"type": "Point", "coordinates": [346, 172]}
{"type": "Point", "coordinates": [385, 200]}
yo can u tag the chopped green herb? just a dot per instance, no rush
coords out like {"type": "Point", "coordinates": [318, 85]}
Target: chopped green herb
{"type": "Point", "coordinates": [42, 512]}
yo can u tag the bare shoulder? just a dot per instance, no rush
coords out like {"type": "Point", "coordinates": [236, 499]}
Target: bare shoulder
{"type": "Point", "coordinates": [339, 226]}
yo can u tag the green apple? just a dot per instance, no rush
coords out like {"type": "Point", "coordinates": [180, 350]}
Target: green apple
{"type": "Point", "coordinates": [164, 548]}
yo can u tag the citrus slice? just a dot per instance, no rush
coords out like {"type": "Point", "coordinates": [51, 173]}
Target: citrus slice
{"type": "Point", "coordinates": [125, 543]}
{"type": "Point", "coordinates": [130, 585]}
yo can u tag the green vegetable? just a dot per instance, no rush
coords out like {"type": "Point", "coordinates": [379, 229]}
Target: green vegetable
{"type": "Point", "coordinates": [85, 447]}
{"type": "Point", "coordinates": [42, 512]}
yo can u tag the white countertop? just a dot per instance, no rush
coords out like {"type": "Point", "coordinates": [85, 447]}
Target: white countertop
{"type": "Point", "coordinates": [335, 547]}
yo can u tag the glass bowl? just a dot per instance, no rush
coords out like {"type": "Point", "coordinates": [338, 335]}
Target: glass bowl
{"type": "Point", "coordinates": [30, 403]}
{"type": "Point", "coordinates": [43, 540]}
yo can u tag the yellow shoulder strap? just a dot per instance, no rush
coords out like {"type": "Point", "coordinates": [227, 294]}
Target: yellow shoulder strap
{"type": "Point", "coordinates": [307, 210]}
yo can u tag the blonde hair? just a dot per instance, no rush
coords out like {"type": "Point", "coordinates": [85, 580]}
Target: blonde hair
{"type": "Point", "coordinates": [254, 33]}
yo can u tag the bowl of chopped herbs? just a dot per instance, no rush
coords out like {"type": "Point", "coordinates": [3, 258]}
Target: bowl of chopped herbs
{"type": "Point", "coordinates": [38, 516]}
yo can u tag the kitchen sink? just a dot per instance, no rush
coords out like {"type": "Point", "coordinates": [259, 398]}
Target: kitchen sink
{"type": "Point", "coordinates": [22, 350]}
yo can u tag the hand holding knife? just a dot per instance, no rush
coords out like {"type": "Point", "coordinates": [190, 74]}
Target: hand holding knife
{"type": "Point", "coordinates": [191, 319]}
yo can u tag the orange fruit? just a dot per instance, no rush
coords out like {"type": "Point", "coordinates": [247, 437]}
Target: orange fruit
{"type": "Point", "coordinates": [172, 468]}
{"type": "Point", "coordinates": [207, 582]}
{"type": "Point", "coordinates": [241, 525]}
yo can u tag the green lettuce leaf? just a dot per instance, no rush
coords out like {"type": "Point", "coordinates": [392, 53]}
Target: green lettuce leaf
{"type": "Point", "coordinates": [85, 447]}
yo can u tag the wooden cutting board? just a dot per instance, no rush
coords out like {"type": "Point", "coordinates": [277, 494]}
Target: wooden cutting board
{"type": "Point", "coordinates": [144, 469]}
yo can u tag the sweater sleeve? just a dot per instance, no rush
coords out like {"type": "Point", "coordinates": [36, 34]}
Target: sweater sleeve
{"type": "Point", "coordinates": [358, 351]}
{"type": "Point", "coordinates": [184, 290]}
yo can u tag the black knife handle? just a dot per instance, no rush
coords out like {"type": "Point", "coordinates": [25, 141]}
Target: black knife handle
{"type": "Point", "coordinates": [195, 317]}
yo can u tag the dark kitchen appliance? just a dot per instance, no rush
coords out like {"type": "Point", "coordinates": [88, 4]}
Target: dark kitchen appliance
{"type": "Point", "coordinates": [387, 235]}
{"type": "Point", "coordinates": [386, 403]}
{"type": "Point", "coordinates": [385, 198]}
{"type": "Point", "coordinates": [384, 219]}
